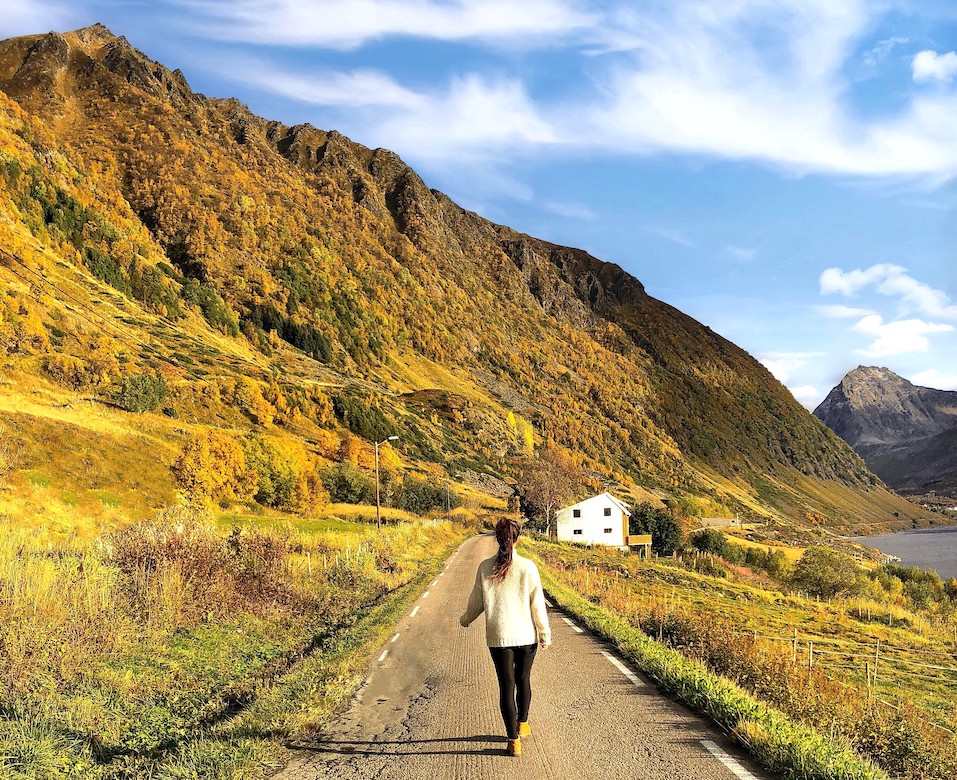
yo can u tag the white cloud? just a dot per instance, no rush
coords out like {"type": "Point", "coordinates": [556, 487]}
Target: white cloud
{"type": "Point", "coordinates": [347, 24]}
{"type": "Point", "coordinates": [755, 80]}
{"type": "Point", "coordinates": [841, 312]}
{"type": "Point", "coordinates": [928, 65]}
{"type": "Point", "coordinates": [743, 254]}
{"type": "Point", "coordinates": [782, 365]}
{"type": "Point", "coordinates": [932, 377]}
{"type": "Point", "coordinates": [894, 281]}
{"type": "Point", "coordinates": [807, 395]}
{"type": "Point", "coordinates": [26, 17]}
{"type": "Point", "coordinates": [899, 337]}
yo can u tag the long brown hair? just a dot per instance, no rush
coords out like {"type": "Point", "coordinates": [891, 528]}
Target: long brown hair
{"type": "Point", "coordinates": [507, 532]}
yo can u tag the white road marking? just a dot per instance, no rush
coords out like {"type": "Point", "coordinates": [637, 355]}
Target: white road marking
{"type": "Point", "coordinates": [730, 763]}
{"type": "Point", "coordinates": [574, 627]}
{"type": "Point", "coordinates": [441, 573]}
{"type": "Point", "coordinates": [434, 583]}
{"type": "Point", "coordinates": [549, 604]}
{"type": "Point", "coordinates": [414, 612]}
{"type": "Point", "coordinates": [382, 657]}
{"type": "Point", "coordinates": [394, 638]}
{"type": "Point", "coordinates": [624, 670]}
{"type": "Point", "coordinates": [426, 594]}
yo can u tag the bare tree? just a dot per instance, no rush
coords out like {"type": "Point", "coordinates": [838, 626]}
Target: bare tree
{"type": "Point", "coordinates": [547, 482]}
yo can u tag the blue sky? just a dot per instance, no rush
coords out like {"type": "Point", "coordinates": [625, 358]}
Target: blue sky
{"type": "Point", "coordinates": [783, 171]}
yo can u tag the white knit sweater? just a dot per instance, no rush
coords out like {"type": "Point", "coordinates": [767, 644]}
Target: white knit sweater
{"type": "Point", "coordinates": [514, 608]}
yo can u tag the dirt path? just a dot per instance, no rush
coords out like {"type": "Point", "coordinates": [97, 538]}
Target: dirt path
{"type": "Point", "coordinates": [429, 709]}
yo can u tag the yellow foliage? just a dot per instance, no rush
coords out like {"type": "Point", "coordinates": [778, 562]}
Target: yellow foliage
{"type": "Point", "coordinates": [211, 467]}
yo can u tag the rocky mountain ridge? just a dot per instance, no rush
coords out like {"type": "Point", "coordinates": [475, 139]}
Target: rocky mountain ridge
{"type": "Point", "coordinates": [907, 434]}
{"type": "Point", "coordinates": [327, 256]}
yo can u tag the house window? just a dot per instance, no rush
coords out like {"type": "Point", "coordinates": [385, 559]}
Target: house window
{"type": "Point", "coordinates": [607, 530]}
{"type": "Point", "coordinates": [577, 532]}
{"type": "Point", "coordinates": [576, 513]}
{"type": "Point", "coordinates": [607, 511]}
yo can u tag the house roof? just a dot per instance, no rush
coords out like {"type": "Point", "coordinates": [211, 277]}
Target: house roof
{"type": "Point", "coordinates": [616, 501]}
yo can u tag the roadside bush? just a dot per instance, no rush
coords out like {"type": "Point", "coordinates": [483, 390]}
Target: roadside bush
{"type": "Point", "coordinates": [212, 467]}
{"type": "Point", "coordinates": [141, 392]}
{"type": "Point", "coordinates": [418, 496]}
{"type": "Point", "coordinates": [347, 485]}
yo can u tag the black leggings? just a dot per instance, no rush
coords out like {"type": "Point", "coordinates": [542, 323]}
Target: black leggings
{"type": "Point", "coordinates": [513, 667]}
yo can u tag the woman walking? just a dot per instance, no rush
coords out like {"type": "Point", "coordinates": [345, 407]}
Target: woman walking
{"type": "Point", "coordinates": [508, 589]}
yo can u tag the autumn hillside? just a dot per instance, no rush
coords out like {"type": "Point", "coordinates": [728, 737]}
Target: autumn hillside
{"type": "Point", "coordinates": [289, 287]}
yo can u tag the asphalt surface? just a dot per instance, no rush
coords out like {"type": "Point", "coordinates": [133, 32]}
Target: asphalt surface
{"type": "Point", "coordinates": [429, 708]}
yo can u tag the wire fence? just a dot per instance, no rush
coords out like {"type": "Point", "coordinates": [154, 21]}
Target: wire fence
{"type": "Point", "coordinates": [880, 665]}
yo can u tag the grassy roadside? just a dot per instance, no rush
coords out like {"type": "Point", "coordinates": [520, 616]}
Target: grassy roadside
{"type": "Point", "coordinates": [777, 742]}
{"type": "Point", "coordinates": [193, 653]}
{"type": "Point", "coordinates": [302, 701]}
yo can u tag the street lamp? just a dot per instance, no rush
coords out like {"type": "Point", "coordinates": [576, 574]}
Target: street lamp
{"type": "Point", "coordinates": [378, 505]}
{"type": "Point", "coordinates": [448, 498]}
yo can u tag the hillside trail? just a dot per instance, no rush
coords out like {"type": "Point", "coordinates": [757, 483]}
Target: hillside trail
{"type": "Point", "coordinates": [429, 708]}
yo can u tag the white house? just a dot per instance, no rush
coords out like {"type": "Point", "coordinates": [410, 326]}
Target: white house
{"type": "Point", "coordinates": [601, 519]}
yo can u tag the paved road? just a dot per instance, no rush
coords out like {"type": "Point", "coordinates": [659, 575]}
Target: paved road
{"type": "Point", "coordinates": [429, 709]}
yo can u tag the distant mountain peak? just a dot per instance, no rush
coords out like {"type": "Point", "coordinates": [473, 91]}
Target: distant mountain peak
{"type": "Point", "coordinates": [903, 431]}
{"type": "Point", "coordinates": [95, 33]}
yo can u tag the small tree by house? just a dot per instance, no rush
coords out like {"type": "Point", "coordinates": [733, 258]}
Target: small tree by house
{"type": "Point", "coordinates": [548, 481]}
{"type": "Point", "coordinates": [665, 530]}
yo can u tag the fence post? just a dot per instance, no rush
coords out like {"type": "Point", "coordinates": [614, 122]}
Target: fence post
{"type": "Point", "coordinates": [810, 653]}
{"type": "Point", "coordinates": [877, 657]}
{"type": "Point", "coordinates": [794, 657]}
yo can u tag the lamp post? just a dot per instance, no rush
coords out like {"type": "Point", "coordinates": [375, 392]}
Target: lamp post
{"type": "Point", "coordinates": [448, 498]}
{"type": "Point", "coordinates": [378, 505]}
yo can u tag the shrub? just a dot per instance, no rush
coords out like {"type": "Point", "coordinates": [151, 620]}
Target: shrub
{"type": "Point", "coordinates": [418, 496]}
{"type": "Point", "coordinates": [826, 573]}
{"type": "Point", "coordinates": [212, 466]}
{"type": "Point", "coordinates": [141, 392]}
{"type": "Point", "coordinates": [346, 484]}
{"type": "Point", "coordinates": [666, 536]}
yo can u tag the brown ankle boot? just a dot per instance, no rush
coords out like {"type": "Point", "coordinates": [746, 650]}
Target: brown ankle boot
{"type": "Point", "coordinates": [515, 747]}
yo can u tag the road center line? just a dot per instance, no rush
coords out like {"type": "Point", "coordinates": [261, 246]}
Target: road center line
{"type": "Point", "coordinates": [434, 583]}
{"type": "Point", "coordinates": [414, 612]}
{"type": "Point", "coordinates": [394, 638]}
{"type": "Point", "coordinates": [382, 657]}
{"type": "Point", "coordinates": [576, 629]}
{"type": "Point", "coordinates": [628, 673]}
{"type": "Point", "coordinates": [549, 604]}
{"type": "Point", "coordinates": [730, 763]}
{"type": "Point", "coordinates": [426, 594]}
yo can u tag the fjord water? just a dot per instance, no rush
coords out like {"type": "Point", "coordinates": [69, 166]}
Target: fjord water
{"type": "Point", "coordinates": [931, 548]}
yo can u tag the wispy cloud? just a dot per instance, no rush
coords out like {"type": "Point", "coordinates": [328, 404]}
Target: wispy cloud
{"type": "Point", "coordinates": [670, 234]}
{"type": "Point", "coordinates": [880, 51]}
{"type": "Point", "coordinates": [749, 80]}
{"type": "Point", "coordinates": [357, 88]}
{"type": "Point", "coordinates": [24, 17]}
{"type": "Point", "coordinates": [347, 24]}
{"type": "Point", "coordinates": [571, 210]}
{"type": "Point", "coordinates": [742, 254]}
{"type": "Point", "coordinates": [840, 312]}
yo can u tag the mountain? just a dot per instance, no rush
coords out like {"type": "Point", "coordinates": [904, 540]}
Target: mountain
{"type": "Point", "coordinates": [906, 434]}
{"type": "Point", "coordinates": [256, 263]}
